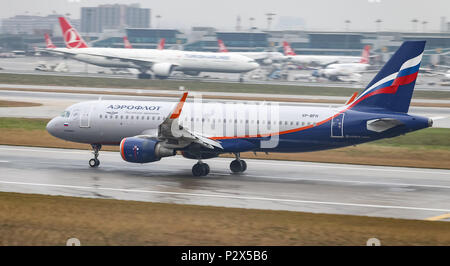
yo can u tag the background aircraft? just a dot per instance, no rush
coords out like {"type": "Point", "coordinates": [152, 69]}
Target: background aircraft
{"type": "Point", "coordinates": [346, 71]}
{"type": "Point", "coordinates": [320, 60]}
{"type": "Point", "coordinates": [265, 58]}
{"type": "Point", "coordinates": [161, 63]}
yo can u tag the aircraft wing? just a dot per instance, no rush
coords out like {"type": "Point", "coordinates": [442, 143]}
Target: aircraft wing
{"type": "Point", "coordinates": [173, 135]}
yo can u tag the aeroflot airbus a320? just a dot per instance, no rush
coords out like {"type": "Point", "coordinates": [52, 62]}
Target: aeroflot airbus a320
{"type": "Point", "coordinates": [149, 130]}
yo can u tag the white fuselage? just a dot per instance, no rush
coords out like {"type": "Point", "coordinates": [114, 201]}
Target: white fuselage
{"type": "Point", "coordinates": [108, 122]}
{"type": "Point", "coordinates": [146, 58]}
{"type": "Point", "coordinates": [345, 69]}
{"type": "Point", "coordinates": [321, 60]}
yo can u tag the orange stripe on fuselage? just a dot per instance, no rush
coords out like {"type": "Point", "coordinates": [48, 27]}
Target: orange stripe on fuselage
{"type": "Point", "coordinates": [390, 89]}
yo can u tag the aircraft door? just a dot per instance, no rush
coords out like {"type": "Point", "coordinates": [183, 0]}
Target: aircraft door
{"type": "Point", "coordinates": [337, 126]}
{"type": "Point", "coordinates": [85, 116]}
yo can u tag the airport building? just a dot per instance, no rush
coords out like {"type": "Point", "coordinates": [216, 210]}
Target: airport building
{"type": "Point", "coordinates": [34, 25]}
{"type": "Point", "coordinates": [142, 38]}
{"type": "Point", "coordinates": [114, 17]}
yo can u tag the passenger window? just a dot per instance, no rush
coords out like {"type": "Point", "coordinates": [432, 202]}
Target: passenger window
{"type": "Point", "coordinates": [100, 116]}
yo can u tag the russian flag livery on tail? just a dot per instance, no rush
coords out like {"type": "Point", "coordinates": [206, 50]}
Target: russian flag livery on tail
{"type": "Point", "coordinates": [202, 131]}
{"type": "Point", "coordinates": [393, 86]}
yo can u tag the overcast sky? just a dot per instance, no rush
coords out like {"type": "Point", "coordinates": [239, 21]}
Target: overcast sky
{"type": "Point", "coordinates": [317, 14]}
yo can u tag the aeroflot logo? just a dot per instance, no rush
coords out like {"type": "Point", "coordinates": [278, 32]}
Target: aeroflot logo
{"type": "Point", "coordinates": [221, 57]}
{"type": "Point", "coordinates": [134, 107]}
{"type": "Point", "coordinates": [72, 39]}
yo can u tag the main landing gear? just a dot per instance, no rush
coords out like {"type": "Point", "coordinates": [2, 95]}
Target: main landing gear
{"type": "Point", "coordinates": [95, 162]}
{"type": "Point", "coordinates": [144, 75]}
{"type": "Point", "coordinates": [200, 169]}
{"type": "Point", "coordinates": [238, 165]}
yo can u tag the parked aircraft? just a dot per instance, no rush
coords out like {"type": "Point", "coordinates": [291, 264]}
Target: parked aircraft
{"type": "Point", "coordinates": [147, 131]}
{"type": "Point", "coordinates": [265, 58]}
{"type": "Point", "coordinates": [159, 62]}
{"type": "Point", "coordinates": [48, 42]}
{"type": "Point", "coordinates": [320, 60]}
{"type": "Point", "coordinates": [346, 71]}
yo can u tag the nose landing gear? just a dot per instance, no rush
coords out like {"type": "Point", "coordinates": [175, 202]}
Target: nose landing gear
{"type": "Point", "coordinates": [95, 162]}
{"type": "Point", "coordinates": [238, 165]}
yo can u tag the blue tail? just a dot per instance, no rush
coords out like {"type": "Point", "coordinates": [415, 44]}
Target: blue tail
{"type": "Point", "coordinates": [393, 86]}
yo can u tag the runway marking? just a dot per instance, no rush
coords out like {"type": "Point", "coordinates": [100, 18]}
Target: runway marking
{"type": "Point", "coordinates": [439, 217]}
{"type": "Point", "coordinates": [230, 197]}
{"type": "Point", "coordinates": [1, 161]}
{"type": "Point", "coordinates": [342, 181]}
{"type": "Point", "coordinates": [293, 164]}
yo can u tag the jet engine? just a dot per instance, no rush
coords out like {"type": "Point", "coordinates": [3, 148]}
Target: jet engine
{"type": "Point", "coordinates": [267, 61]}
{"type": "Point", "coordinates": [162, 70]}
{"type": "Point", "coordinates": [140, 150]}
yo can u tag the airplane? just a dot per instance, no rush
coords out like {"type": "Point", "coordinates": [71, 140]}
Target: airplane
{"type": "Point", "coordinates": [161, 43]}
{"type": "Point", "coordinates": [321, 60]}
{"type": "Point", "coordinates": [147, 131]}
{"type": "Point", "coordinates": [48, 42]}
{"type": "Point", "coordinates": [126, 43]}
{"type": "Point", "coordinates": [265, 58]}
{"type": "Point", "coordinates": [345, 71]}
{"type": "Point", "coordinates": [159, 62]}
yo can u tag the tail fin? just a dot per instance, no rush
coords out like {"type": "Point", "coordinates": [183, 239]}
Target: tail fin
{"type": "Point", "coordinates": [222, 47]}
{"type": "Point", "coordinates": [161, 44]}
{"type": "Point", "coordinates": [48, 41]}
{"type": "Point", "coordinates": [365, 56]}
{"type": "Point", "coordinates": [392, 88]}
{"type": "Point", "coordinates": [127, 43]}
{"type": "Point", "coordinates": [287, 49]}
{"type": "Point", "coordinates": [71, 36]}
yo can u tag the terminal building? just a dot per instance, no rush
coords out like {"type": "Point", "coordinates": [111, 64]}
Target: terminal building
{"type": "Point", "coordinates": [114, 17]}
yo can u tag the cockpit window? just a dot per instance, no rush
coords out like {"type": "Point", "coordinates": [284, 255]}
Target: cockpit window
{"type": "Point", "coordinates": [65, 114]}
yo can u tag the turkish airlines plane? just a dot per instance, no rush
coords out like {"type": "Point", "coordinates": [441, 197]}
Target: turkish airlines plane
{"type": "Point", "coordinates": [147, 131]}
{"type": "Point", "coordinates": [321, 60]}
{"type": "Point", "coordinates": [346, 71]}
{"type": "Point", "coordinates": [159, 62]}
{"type": "Point", "coordinates": [266, 58]}
{"type": "Point", "coordinates": [48, 42]}
{"type": "Point", "coordinates": [126, 43]}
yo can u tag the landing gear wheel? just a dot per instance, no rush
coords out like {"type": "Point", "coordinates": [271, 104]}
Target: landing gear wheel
{"type": "Point", "coordinates": [200, 169]}
{"type": "Point", "coordinates": [144, 76]}
{"type": "Point", "coordinates": [94, 162]}
{"type": "Point", "coordinates": [238, 166]}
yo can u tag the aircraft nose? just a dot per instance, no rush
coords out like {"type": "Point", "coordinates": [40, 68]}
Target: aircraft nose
{"type": "Point", "coordinates": [51, 127]}
{"type": "Point", "coordinates": [254, 65]}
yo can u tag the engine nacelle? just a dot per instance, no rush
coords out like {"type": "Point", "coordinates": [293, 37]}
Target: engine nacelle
{"type": "Point", "coordinates": [267, 61]}
{"type": "Point", "coordinates": [162, 70]}
{"type": "Point", "coordinates": [139, 150]}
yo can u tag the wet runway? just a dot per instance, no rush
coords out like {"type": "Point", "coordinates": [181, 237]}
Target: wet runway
{"type": "Point", "coordinates": [280, 185]}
